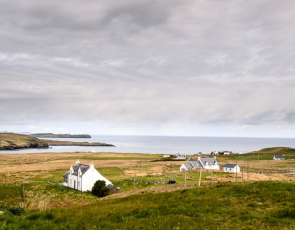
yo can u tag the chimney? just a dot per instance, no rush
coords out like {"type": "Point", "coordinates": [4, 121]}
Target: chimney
{"type": "Point", "coordinates": [91, 165]}
{"type": "Point", "coordinates": [77, 162]}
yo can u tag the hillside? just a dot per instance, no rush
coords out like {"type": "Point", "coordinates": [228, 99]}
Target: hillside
{"type": "Point", "coordinates": [274, 151]}
{"type": "Point", "coordinates": [13, 141]}
{"type": "Point", "coordinates": [52, 135]}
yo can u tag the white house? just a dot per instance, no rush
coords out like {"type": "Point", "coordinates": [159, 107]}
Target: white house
{"type": "Point", "coordinates": [179, 157]}
{"type": "Point", "coordinates": [278, 157]}
{"type": "Point", "coordinates": [231, 168]}
{"type": "Point", "coordinates": [82, 177]}
{"type": "Point", "coordinates": [201, 163]}
{"type": "Point", "coordinates": [166, 155]}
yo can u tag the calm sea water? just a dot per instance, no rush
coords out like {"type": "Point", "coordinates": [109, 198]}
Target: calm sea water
{"type": "Point", "coordinates": [168, 144]}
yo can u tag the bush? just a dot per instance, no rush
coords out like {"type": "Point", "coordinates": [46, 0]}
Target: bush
{"type": "Point", "coordinates": [16, 210]}
{"type": "Point", "coordinates": [99, 189]}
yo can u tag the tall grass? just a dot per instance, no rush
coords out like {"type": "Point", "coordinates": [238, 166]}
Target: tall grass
{"type": "Point", "coordinates": [253, 206]}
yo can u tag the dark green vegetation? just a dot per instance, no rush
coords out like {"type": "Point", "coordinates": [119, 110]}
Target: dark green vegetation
{"type": "Point", "coordinates": [13, 141]}
{"type": "Point", "coordinates": [99, 189]}
{"type": "Point", "coordinates": [264, 154]}
{"type": "Point", "coordinates": [71, 143]}
{"type": "Point", "coordinates": [51, 135]}
{"type": "Point", "coordinates": [262, 205]}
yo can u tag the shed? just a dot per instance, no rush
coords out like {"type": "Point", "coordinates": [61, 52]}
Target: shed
{"type": "Point", "coordinates": [231, 168]}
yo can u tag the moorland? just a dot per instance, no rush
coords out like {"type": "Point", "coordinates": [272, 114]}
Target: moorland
{"type": "Point", "coordinates": [266, 201]}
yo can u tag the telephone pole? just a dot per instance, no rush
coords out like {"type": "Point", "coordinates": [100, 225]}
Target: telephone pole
{"type": "Point", "coordinates": [248, 169]}
{"type": "Point", "coordinates": [200, 177]}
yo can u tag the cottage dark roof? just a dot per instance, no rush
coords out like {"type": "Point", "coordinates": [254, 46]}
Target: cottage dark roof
{"type": "Point", "coordinates": [279, 156]}
{"type": "Point", "coordinates": [188, 165]}
{"type": "Point", "coordinates": [82, 167]}
{"type": "Point", "coordinates": [66, 175]}
{"type": "Point", "coordinates": [196, 164]}
{"type": "Point", "coordinates": [229, 166]}
{"type": "Point", "coordinates": [209, 160]}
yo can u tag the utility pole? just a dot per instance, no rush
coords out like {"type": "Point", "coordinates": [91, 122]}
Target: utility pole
{"type": "Point", "coordinates": [185, 179]}
{"type": "Point", "coordinates": [236, 170]}
{"type": "Point", "coordinates": [200, 177]}
{"type": "Point", "coordinates": [248, 168]}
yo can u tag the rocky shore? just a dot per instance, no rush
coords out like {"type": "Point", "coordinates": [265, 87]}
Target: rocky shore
{"type": "Point", "coordinates": [32, 145]}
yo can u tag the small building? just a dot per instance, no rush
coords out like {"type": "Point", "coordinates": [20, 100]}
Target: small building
{"type": "Point", "coordinates": [82, 177]}
{"type": "Point", "coordinates": [201, 163]}
{"type": "Point", "coordinates": [278, 157]}
{"type": "Point", "coordinates": [179, 157]}
{"type": "Point", "coordinates": [231, 168]}
{"type": "Point", "coordinates": [166, 156]}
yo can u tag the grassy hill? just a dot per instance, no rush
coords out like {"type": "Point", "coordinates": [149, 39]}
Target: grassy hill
{"type": "Point", "coordinates": [11, 141]}
{"type": "Point", "coordinates": [263, 205]}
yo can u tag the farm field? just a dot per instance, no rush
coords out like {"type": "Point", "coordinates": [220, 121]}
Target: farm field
{"type": "Point", "coordinates": [266, 201]}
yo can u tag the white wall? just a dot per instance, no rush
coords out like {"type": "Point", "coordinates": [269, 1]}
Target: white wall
{"type": "Point", "coordinates": [231, 169]}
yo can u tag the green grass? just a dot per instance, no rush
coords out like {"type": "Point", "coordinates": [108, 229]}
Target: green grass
{"type": "Point", "coordinates": [263, 154]}
{"type": "Point", "coordinates": [10, 195]}
{"type": "Point", "coordinates": [254, 206]}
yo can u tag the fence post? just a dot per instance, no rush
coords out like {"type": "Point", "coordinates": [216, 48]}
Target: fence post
{"type": "Point", "coordinates": [200, 177]}
{"type": "Point", "coordinates": [24, 194]}
{"type": "Point", "coordinates": [185, 179]}
{"type": "Point", "coordinates": [212, 178]}
{"type": "Point", "coordinates": [243, 175]}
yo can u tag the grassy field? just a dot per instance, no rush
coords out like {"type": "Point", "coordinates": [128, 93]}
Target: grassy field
{"type": "Point", "coordinates": [260, 205]}
{"type": "Point", "coordinates": [266, 202]}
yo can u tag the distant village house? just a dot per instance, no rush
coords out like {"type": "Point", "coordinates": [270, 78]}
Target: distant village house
{"type": "Point", "coordinates": [278, 157]}
{"type": "Point", "coordinates": [179, 157]}
{"type": "Point", "coordinates": [82, 177]}
{"type": "Point", "coordinates": [201, 163]}
{"type": "Point", "coordinates": [231, 168]}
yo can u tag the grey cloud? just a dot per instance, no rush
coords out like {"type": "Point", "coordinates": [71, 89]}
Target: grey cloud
{"type": "Point", "coordinates": [155, 62]}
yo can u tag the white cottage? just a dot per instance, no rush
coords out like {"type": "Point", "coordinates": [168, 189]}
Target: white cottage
{"type": "Point", "coordinates": [278, 157]}
{"type": "Point", "coordinates": [231, 168]}
{"type": "Point", "coordinates": [201, 163]}
{"type": "Point", "coordinates": [179, 157]}
{"type": "Point", "coordinates": [82, 177]}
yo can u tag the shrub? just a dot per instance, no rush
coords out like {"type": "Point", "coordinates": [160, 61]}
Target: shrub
{"type": "Point", "coordinates": [99, 189]}
{"type": "Point", "coordinates": [16, 210]}
{"type": "Point", "coordinates": [34, 216]}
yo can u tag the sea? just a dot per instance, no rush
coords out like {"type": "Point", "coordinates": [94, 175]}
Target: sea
{"type": "Point", "coordinates": [166, 144]}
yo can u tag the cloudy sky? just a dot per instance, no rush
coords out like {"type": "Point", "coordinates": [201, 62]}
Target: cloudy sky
{"type": "Point", "coordinates": [165, 67]}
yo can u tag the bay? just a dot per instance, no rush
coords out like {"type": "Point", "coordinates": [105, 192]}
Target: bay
{"type": "Point", "coordinates": [167, 144]}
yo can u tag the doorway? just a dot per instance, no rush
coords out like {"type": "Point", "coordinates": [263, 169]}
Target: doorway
{"type": "Point", "coordinates": [74, 184]}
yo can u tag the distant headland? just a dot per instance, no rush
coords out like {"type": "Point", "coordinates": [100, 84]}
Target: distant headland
{"type": "Point", "coordinates": [52, 135]}
{"type": "Point", "coordinates": [14, 141]}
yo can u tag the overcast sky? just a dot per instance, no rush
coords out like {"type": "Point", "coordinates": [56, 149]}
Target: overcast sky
{"type": "Point", "coordinates": [166, 67]}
